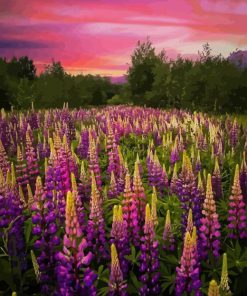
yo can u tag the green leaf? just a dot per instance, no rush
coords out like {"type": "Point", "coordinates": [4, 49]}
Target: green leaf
{"type": "Point", "coordinates": [28, 230]}
{"type": "Point", "coordinates": [100, 269]}
{"type": "Point", "coordinates": [237, 250]}
{"type": "Point", "coordinates": [134, 280]}
{"type": "Point", "coordinates": [5, 274]}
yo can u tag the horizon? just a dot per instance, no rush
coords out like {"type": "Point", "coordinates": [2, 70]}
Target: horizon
{"type": "Point", "coordinates": [102, 43]}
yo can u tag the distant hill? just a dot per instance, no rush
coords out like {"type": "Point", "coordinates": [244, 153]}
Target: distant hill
{"type": "Point", "coordinates": [239, 58]}
{"type": "Point", "coordinates": [118, 79]}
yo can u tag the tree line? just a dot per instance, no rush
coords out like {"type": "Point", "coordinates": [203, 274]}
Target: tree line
{"type": "Point", "coordinates": [212, 83]}
{"type": "Point", "coordinates": [20, 86]}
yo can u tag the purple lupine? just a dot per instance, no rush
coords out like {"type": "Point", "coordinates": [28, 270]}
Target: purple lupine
{"type": "Point", "coordinates": [64, 168]}
{"type": "Point", "coordinates": [70, 157]}
{"type": "Point", "coordinates": [119, 237]}
{"type": "Point", "coordinates": [122, 170]}
{"type": "Point", "coordinates": [4, 162]}
{"type": "Point", "coordinates": [83, 146]}
{"type": "Point", "coordinates": [32, 161]}
{"type": "Point", "coordinates": [188, 193]}
{"type": "Point", "coordinates": [188, 274]}
{"type": "Point", "coordinates": [209, 231]}
{"type": "Point", "coordinates": [168, 237]}
{"type": "Point", "coordinates": [45, 228]}
{"type": "Point", "coordinates": [72, 259]}
{"type": "Point", "coordinates": [11, 213]}
{"type": "Point", "coordinates": [84, 186]}
{"type": "Point", "coordinates": [117, 285]}
{"type": "Point", "coordinates": [114, 161]}
{"type": "Point", "coordinates": [174, 157]}
{"type": "Point", "coordinates": [96, 224]}
{"type": "Point", "coordinates": [216, 181]}
{"type": "Point", "coordinates": [243, 179]}
{"type": "Point", "coordinates": [78, 203]}
{"type": "Point", "coordinates": [21, 171]}
{"type": "Point", "coordinates": [156, 174]}
{"type": "Point", "coordinates": [149, 261]}
{"type": "Point", "coordinates": [112, 192]}
{"type": "Point", "coordinates": [174, 179]}
{"type": "Point", "coordinates": [94, 162]}
{"type": "Point", "coordinates": [237, 214]}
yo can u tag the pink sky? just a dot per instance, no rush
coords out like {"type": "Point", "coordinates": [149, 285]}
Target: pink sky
{"type": "Point", "coordinates": [98, 36]}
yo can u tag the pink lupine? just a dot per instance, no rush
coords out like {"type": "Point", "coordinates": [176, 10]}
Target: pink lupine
{"type": "Point", "coordinates": [168, 237]}
{"type": "Point", "coordinates": [188, 277]}
{"type": "Point", "coordinates": [216, 181]}
{"type": "Point", "coordinates": [237, 214]}
{"type": "Point", "coordinates": [209, 231]}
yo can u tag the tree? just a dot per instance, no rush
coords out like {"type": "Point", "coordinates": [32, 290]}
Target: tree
{"type": "Point", "coordinates": [54, 69]}
{"type": "Point", "coordinates": [21, 68]}
{"type": "Point", "coordinates": [141, 72]}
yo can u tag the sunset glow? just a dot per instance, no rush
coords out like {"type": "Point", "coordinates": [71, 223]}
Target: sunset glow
{"type": "Point", "coordinates": [98, 37]}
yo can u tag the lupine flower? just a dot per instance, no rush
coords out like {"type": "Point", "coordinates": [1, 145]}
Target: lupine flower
{"type": "Point", "coordinates": [4, 163]}
{"type": "Point", "coordinates": [201, 190]}
{"type": "Point", "coordinates": [213, 289]}
{"type": "Point", "coordinates": [154, 206]}
{"type": "Point", "coordinates": [198, 165]}
{"type": "Point", "coordinates": [237, 214]}
{"type": "Point", "coordinates": [112, 192]}
{"type": "Point", "coordinates": [117, 284]}
{"type": "Point", "coordinates": [216, 181]}
{"type": "Point", "coordinates": [21, 170]}
{"type": "Point", "coordinates": [188, 193]}
{"type": "Point", "coordinates": [173, 185]}
{"type": "Point", "coordinates": [45, 228]}
{"type": "Point", "coordinates": [119, 237]}
{"type": "Point", "coordinates": [35, 266]}
{"type": "Point", "coordinates": [30, 198]}
{"type": "Point", "coordinates": [72, 258]}
{"type": "Point", "coordinates": [65, 171]}
{"type": "Point", "coordinates": [187, 279]}
{"type": "Point", "coordinates": [156, 174]}
{"type": "Point", "coordinates": [94, 162]}
{"type": "Point", "coordinates": [149, 261]}
{"type": "Point", "coordinates": [32, 161]}
{"type": "Point", "coordinates": [190, 225]}
{"type": "Point", "coordinates": [122, 172]}
{"type": "Point", "coordinates": [79, 207]}
{"type": "Point", "coordinates": [224, 282]}
{"type": "Point", "coordinates": [83, 146]}
{"type": "Point", "coordinates": [234, 134]}
{"type": "Point", "coordinates": [11, 213]}
{"type": "Point", "coordinates": [174, 155]}
{"type": "Point", "coordinates": [243, 179]}
{"type": "Point", "coordinates": [84, 186]}
{"type": "Point", "coordinates": [168, 237]}
{"type": "Point", "coordinates": [139, 197]}
{"type": "Point", "coordinates": [209, 231]}
{"type": "Point", "coordinates": [96, 224]}
{"type": "Point", "coordinates": [130, 212]}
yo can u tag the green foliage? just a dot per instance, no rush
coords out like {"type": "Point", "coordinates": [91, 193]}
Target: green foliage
{"type": "Point", "coordinates": [211, 83]}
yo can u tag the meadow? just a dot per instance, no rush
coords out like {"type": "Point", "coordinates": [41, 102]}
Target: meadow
{"type": "Point", "coordinates": [122, 201]}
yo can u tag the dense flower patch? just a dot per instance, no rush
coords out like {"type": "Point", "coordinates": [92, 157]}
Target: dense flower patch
{"type": "Point", "coordinates": [122, 201]}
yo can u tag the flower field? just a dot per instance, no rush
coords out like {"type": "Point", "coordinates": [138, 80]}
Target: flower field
{"type": "Point", "coordinates": [122, 201]}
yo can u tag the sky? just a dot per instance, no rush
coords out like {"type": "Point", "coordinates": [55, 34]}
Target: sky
{"type": "Point", "coordinates": [98, 36]}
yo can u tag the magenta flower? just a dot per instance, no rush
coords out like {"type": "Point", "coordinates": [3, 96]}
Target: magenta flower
{"type": "Point", "coordinates": [209, 231]}
{"type": "Point", "coordinates": [237, 214]}
{"type": "Point", "coordinates": [188, 274]}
